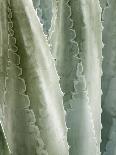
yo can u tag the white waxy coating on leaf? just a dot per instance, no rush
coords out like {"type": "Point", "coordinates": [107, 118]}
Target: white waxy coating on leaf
{"type": "Point", "coordinates": [40, 77]}
{"type": "Point", "coordinates": [81, 134]}
{"type": "Point", "coordinates": [65, 50]}
{"type": "Point", "coordinates": [86, 15]}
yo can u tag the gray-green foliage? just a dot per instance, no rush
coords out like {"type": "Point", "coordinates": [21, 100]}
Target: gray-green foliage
{"type": "Point", "coordinates": [22, 135]}
{"type": "Point", "coordinates": [59, 44]}
{"type": "Point", "coordinates": [44, 93]}
{"type": "Point", "coordinates": [3, 65]}
{"type": "Point", "coordinates": [87, 24]}
{"type": "Point", "coordinates": [81, 135]}
{"type": "Point", "coordinates": [34, 118]}
{"type": "Point", "coordinates": [65, 50]}
{"type": "Point", "coordinates": [108, 145]}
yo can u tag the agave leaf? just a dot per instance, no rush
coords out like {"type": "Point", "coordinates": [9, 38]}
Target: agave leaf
{"type": "Point", "coordinates": [109, 77]}
{"type": "Point", "coordinates": [44, 11]}
{"type": "Point", "coordinates": [3, 51]}
{"type": "Point", "coordinates": [86, 15]}
{"type": "Point", "coordinates": [41, 79]}
{"type": "Point", "coordinates": [64, 49]}
{"type": "Point", "coordinates": [22, 135]}
{"type": "Point", "coordinates": [3, 66]}
{"type": "Point", "coordinates": [81, 135]}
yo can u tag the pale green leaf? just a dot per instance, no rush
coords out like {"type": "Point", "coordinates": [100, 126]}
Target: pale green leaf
{"type": "Point", "coordinates": [76, 102]}
{"type": "Point", "coordinates": [41, 79]}
{"type": "Point", "coordinates": [64, 49]}
{"type": "Point", "coordinates": [86, 15]}
{"type": "Point", "coordinates": [81, 134]}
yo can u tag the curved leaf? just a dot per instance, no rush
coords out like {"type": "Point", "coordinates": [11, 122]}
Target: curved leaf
{"type": "Point", "coordinates": [81, 135]}
{"type": "Point", "coordinates": [3, 52]}
{"type": "Point", "coordinates": [22, 135]}
{"type": "Point", "coordinates": [86, 15]}
{"type": "Point", "coordinates": [39, 73]}
{"type": "Point", "coordinates": [65, 50]}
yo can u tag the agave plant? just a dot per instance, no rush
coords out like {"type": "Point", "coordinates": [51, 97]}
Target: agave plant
{"type": "Point", "coordinates": [51, 77]}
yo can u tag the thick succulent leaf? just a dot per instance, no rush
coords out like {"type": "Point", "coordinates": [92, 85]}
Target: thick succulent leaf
{"type": "Point", "coordinates": [86, 15]}
{"type": "Point", "coordinates": [22, 135]}
{"type": "Point", "coordinates": [41, 79]}
{"type": "Point", "coordinates": [109, 77]}
{"type": "Point", "coordinates": [44, 11]}
{"type": "Point", "coordinates": [81, 135]}
{"type": "Point", "coordinates": [3, 51]}
{"type": "Point", "coordinates": [3, 67]}
{"type": "Point", "coordinates": [64, 49]}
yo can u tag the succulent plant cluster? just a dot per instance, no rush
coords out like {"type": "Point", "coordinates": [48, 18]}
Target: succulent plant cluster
{"type": "Point", "coordinates": [57, 77]}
